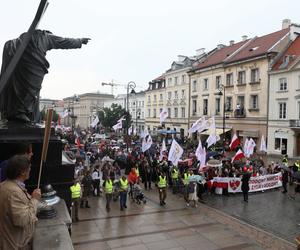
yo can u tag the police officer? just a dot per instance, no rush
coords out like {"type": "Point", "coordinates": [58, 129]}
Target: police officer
{"type": "Point", "coordinates": [174, 176]}
{"type": "Point", "coordinates": [186, 177]}
{"type": "Point", "coordinates": [123, 192]}
{"type": "Point", "coordinates": [75, 194]}
{"type": "Point", "coordinates": [108, 186]}
{"type": "Point", "coordinates": [162, 188]}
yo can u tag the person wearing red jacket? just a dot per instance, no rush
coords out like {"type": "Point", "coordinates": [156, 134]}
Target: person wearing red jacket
{"type": "Point", "coordinates": [132, 179]}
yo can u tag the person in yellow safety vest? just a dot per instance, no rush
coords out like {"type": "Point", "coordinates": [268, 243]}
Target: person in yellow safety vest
{"type": "Point", "coordinates": [108, 187]}
{"type": "Point", "coordinates": [186, 181]}
{"type": "Point", "coordinates": [174, 176]}
{"type": "Point", "coordinates": [162, 188]}
{"type": "Point", "coordinates": [297, 164]}
{"type": "Point", "coordinates": [75, 195]}
{"type": "Point", "coordinates": [285, 160]}
{"type": "Point", "coordinates": [123, 192]}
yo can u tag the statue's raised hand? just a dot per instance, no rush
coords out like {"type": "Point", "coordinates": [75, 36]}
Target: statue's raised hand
{"type": "Point", "coordinates": [85, 40]}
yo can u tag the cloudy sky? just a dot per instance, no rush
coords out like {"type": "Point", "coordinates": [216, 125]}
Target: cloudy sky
{"type": "Point", "coordinates": [136, 40]}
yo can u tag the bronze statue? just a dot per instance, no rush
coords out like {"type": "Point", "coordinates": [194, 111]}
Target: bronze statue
{"type": "Point", "coordinates": [19, 100]}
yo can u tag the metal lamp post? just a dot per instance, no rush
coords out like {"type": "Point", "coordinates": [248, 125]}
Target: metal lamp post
{"type": "Point", "coordinates": [130, 86]}
{"type": "Point", "coordinates": [222, 92]}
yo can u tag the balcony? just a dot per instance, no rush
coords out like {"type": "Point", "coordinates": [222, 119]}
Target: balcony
{"type": "Point", "coordinates": [239, 113]}
{"type": "Point", "coordinates": [255, 81]}
{"type": "Point", "coordinates": [295, 123]}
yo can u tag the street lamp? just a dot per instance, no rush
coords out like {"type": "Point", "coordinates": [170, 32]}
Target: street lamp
{"type": "Point", "coordinates": [130, 86]}
{"type": "Point", "coordinates": [221, 89]}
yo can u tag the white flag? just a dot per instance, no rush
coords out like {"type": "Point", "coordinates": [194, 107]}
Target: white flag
{"type": "Point", "coordinates": [199, 125]}
{"type": "Point", "coordinates": [175, 152]}
{"type": "Point", "coordinates": [147, 142]}
{"type": "Point", "coordinates": [263, 146]}
{"type": "Point", "coordinates": [163, 115]}
{"type": "Point", "coordinates": [95, 122]}
{"type": "Point", "coordinates": [246, 147]}
{"type": "Point", "coordinates": [250, 147]}
{"type": "Point", "coordinates": [130, 130]}
{"type": "Point", "coordinates": [117, 126]}
{"type": "Point", "coordinates": [199, 150]}
{"type": "Point", "coordinates": [121, 119]}
{"type": "Point", "coordinates": [212, 139]}
{"type": "Point", "coordinates": [201, 155]}
{"type": "Point", "coordinates": [65, 113]}
{"type": "Point", "coordinates": [144, 133]}
{"type": "Point", "coordinates": [163, 148]}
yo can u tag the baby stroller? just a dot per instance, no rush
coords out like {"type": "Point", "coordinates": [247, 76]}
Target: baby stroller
{"type": "Point", "coordinates": [138, 195]}
{"type": "Point", "coordinates": [116, 188]}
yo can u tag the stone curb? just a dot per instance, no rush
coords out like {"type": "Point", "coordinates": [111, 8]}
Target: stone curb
{"type": "Point", "coordinates": [264, 238]}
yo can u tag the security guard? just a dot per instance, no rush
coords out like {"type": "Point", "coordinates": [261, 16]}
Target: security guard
{"type": "Point", "coordinates": [297, 164]}
{"type": "Point", "coordinates": [174, 176]}
{"type": "Point", "coordinates": [123, 192]}
{"type": "Point", "coordinates": [285, 160]}
{"type": "Point", "coordinates": [108, 186]}
{"type": "Point", "coordinates": [162, 188]}
{"type": "Point", "coordinates": [75, 194]}
{"type": "Point", "coordinates": [186, 181]}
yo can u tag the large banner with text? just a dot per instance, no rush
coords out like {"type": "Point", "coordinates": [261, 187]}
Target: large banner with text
{"type": "Point", "coordinates": [256, 184]}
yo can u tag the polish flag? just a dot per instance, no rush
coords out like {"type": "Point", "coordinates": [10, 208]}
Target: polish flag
{"type": "Point", "coordinates": [239, 155]}
{"type": "Point", "coordinates": [234, 142]}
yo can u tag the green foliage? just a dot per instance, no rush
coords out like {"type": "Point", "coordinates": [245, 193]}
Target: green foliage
{"type": "Point", "coordinates": [110, 116]}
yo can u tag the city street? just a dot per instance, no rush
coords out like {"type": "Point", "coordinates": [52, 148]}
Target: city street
{"type": "Point", "coordinates": [176, 226]}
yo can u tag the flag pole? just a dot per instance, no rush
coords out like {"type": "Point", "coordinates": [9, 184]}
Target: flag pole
{"type": "Point", "coordinates": [45, 142]}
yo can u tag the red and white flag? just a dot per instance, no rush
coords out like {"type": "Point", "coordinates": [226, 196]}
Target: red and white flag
{"type": "Point", "coordinates": [234, 142]}
{"type": "Point", "coordinates": [163, 115]}
{"type": "Point", "coordinates": [239, 155]}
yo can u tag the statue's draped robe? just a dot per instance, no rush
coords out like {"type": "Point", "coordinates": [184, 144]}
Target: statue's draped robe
{"type": "Point", "coordinates": [21, 95]}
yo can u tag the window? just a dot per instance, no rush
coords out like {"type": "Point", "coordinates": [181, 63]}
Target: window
{"type": "Point", "coordinates": [194, 88]}
{"type": "Point", "coordinates": [229, 79]}
{"type": "Point", "coordinates": [281, 145]}
{"type": "Point", "coordinates": [149, 98]}
{"type": "Point", "coordinates": [183, 112]}
{"type": "Point", "coordinates": [160, 110]}
{"type": "Point", "coordinates": [298, 110]}
{"type": "Point", "coordinates": [154, 113]}
{"type": "Point", "coordinates": [176, 94]}
{"type": "Point", "coordinates": [149, 113]}
{"type": "Point", "coordinates": [183, 79]}
{"type": "Point", "coordinates": [254, 101]}
{"type": "Point", "coordinates": [169, 95]}
{"type": "Point", "coordinates": [169, 81]}
{"type": "Point", "coordinates": [176, 80]}
{"type": "Point", "coordinates": [169, 112]}
{"type": "Point", "coordinates": [194, 107]}
{"type": "Point", "coordinates": [154, 98]}
{"type": "Point", "coordinates": [218, 82]}
{"type": "Point", "coordinates": [228, 106]}
{"type": "Point", "coordinates": [218, 104]}
{"type": "Point", "coordinates": [241, 77]}
{"type": "Point", "coordinates": [160, 97]}
{"type": "Point", "coordinates": [142, 115]}
{"type": "Point", "coordinates": [175, 112]}
{"type": "Point", "coordinates": [254, 75]}
{"type": "Point", "coordinates": [283, 84]}
{"type": "Point", "coordinates": [205, 84]}
{"type": "Point", "coordinates": [142, 103]}
{"type": "Point", "coordinates": [282, 110]}
{"type": "Point", "coordinates": [182, 94]}
{"type": "Point", "coordinates": [205, 106]}
{"type": "Point", "coordinates": [298, 82]}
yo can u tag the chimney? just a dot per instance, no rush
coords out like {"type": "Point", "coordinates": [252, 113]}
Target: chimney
{"type": "Point", "coordinates": [220, 46]}
{"type": "Point", "coordinates": [244, 38]}
{"type": "Point", "coordinates": [200, 51]}
{"type": "Point", "coordinates": [286, 23]}
{"type": "Point", "coordinates": [181, 58]}
{"type": "Point", "coordinates": [231, 42]}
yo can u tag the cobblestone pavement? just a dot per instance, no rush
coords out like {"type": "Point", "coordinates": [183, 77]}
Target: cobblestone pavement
{"type": "Point", "coordinates": [150, 226]}
{"type": "Point", "coordinates": [271, 211]}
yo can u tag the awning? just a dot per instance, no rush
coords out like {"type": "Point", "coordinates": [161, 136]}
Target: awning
{"type": "Point", "coordinates": [219, 131]}
{"type": "Point", "coordinates": [249, 133]}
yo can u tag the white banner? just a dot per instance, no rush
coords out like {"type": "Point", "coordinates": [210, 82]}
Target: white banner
{"type": "Point", "coordinates": [259, 183]}
{"type": "Point", "coordinates": [175, 152]}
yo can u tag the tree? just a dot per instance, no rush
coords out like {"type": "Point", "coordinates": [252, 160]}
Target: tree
{"type": "Point", "coordinates": [109, 116]}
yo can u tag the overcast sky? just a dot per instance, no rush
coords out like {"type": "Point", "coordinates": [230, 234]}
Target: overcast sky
{"type": "Point", "coordinates": [136, 40]}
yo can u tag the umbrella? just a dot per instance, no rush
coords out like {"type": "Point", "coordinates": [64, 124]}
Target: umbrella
{"type": "Point", "coordinates": [296, 175]}
{"type": "Point", "coordinates": [196, 178]}
{"type": "Point", "coordinates": [285, 168]}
